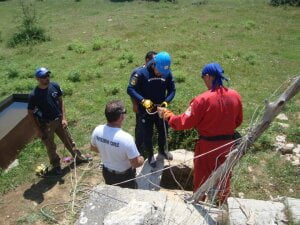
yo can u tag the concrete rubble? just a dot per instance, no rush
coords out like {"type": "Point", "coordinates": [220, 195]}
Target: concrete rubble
{"type": "Point", "coordinates": [111, 205]}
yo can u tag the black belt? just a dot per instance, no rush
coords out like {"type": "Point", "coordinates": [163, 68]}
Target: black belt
{"type": "Point", "coordinates": [117, 172]}
{"type": "Point", "coordinates": [217, 138]}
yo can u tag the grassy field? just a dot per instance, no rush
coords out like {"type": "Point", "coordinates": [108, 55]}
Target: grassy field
{"type": "Point", "coordinates": [95, 44]}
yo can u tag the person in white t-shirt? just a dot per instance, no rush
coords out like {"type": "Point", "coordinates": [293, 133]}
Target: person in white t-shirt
{"type": "Point", "coordinates": [117, 148]}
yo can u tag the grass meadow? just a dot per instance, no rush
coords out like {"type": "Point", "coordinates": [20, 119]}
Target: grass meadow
{"type": "Point", "coordinates": [95, 44]}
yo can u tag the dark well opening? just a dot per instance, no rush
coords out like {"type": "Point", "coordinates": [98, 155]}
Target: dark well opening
{"type": "Point", "coordinates": [15, 128]}
{"type": "Point", "coordinates": [182, 173]}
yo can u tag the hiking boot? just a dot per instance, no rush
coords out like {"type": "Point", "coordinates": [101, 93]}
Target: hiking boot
{"type": "Point", "coordinates": [166, 155]}
{"type": "Point", "coordinates": [152, 161]}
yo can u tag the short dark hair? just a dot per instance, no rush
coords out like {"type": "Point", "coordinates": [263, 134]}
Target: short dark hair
{"type": "Point", "coordinates": [150, 55]}
{"type": "Point", "coordinates": [113, 110]}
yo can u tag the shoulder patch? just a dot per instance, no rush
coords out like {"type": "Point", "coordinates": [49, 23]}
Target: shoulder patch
{"type": "Point", "coordinates": [134, 79]}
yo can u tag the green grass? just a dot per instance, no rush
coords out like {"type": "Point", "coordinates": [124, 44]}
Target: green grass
{"type": "Point", "coordinates": [257, 44]}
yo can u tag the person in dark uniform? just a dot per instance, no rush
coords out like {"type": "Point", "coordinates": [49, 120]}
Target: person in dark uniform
{"type": "Point", "coordinates": [47, 112]}
{"type": "Point", "coordinates": [151, 86]}
{"type": "Point", "coordinates": [138, 117]}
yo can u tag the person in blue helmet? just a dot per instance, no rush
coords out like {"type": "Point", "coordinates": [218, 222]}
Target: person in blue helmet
{"type": "Point", "coordinates": [47, 112]}
{"type": "Point", "coordinates": [153, 86]}
{"type": "Point", "coordinates": [139, 136]}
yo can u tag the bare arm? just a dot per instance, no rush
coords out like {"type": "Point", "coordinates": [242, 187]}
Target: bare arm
{"type": "Point", "coordinates": [62, 107]}
{"type": "Point", "coordinates": [63, 111]}
{"type": "Point", "coordinates": [137, 161]}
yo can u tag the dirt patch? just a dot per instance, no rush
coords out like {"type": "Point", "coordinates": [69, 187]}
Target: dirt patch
{"type": "Point", "coordinates": [22, 205]}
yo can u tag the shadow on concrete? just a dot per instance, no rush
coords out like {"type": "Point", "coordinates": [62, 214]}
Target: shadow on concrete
{"type": "Point", "coordinates": [36, 191]}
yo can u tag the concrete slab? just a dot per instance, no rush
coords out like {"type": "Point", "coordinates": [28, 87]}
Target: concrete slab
{"type": "Point", "coordinates": [255, 212]}
{"type": "Point", "coordinates": [150, 182]}
{"type": "Point", "coordinates": [107, 203]}
{"type": "Point", "coordinates": [293, 205]}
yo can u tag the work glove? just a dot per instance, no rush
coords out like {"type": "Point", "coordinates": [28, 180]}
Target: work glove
{"type": "Point", "coordinates": [148, 104]}
{"type": "Point", "coordinates": [164, 104]}
{"type": "Point", "coordinates": [165, 113]}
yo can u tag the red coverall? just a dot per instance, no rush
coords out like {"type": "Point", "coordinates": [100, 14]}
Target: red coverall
{"type": "Point", "coordinates": [212, 113]}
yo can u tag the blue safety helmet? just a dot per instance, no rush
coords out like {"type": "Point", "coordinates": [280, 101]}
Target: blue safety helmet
{"type": "Point", "coordinates": [163, 62]}
{"type": "Point", "coordinates": [214, 69]}
{"type": "Point", "coordinates": [41, 72]}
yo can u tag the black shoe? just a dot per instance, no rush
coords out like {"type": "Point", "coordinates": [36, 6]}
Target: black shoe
{"type": "Point", "coordinates": [167, 155]}
{"type": "Point", "coordinates": [57, 170]}
{"type": "Point", "coordinates": [83, 159]}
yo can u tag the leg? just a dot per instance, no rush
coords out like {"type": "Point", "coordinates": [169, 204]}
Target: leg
{"type": "Point", "coordinates": [48, 141]}
{"type": "Point", "coordinates": [65, 136]}
{"type": "Point", "coordinates": [162, 131]}
{"type": "Point", "coordinates": [139, 133]}
{"type": "Point", "coordinates": [147, 125]}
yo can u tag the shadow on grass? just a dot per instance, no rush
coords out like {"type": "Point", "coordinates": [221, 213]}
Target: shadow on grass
{"type": "Point", "coordinates": [36, 191]}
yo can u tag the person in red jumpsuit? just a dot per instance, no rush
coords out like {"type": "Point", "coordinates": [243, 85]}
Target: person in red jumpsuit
{"type": "Point", "coordinates": [215, 114]}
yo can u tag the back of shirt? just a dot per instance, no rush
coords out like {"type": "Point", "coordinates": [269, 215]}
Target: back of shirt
{"type": "Point", "coordinates": [212, 113]}
{"type": "Point", "coordinates": [115, 146]}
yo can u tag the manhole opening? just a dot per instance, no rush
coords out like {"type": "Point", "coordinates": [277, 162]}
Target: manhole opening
{"type": "Point", "coordinates": [183, 174]}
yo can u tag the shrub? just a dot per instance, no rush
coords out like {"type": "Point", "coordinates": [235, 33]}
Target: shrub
{"type": "Point", "coordinates": [180, 79]}
{"type": "Point", "coordinates": [111, 90]}
{"type": "Point", "coordinates": [126, 57]}
{"type": "Point", "coordinates": [285, 2]}
{"type": "Point", "coordinates": [98, 44]}
{"type": "Point", "coordinates": [249, 25]}
{"type": "Point", "coordinates": [67, 89]}
{"type": "Point", "coordinates": [182, 139]}
{"type": "Point", "coordinates": [74, 76]}
{"type": "Point", "coordinates": [12, 73]}
{"type": "Point", "coordinates": [250, 58]}
{"type": "Point", "coordinates": [77, 47]}
{"type": "Point", "coordinates": [29, 32]}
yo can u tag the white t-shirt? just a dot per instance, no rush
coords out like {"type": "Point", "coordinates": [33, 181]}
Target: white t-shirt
{"type": "Point", "coordinates": [115, 146]}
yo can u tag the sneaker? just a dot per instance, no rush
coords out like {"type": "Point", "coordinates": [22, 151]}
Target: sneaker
{"type": "Point", "coordinates": [167, 155]}
{"type": "Point", "coordinates": [152, 161]}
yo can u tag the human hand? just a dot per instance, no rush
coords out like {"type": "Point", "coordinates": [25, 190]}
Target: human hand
{"type": "Point", "coordinates": [147, 103]}
{"type": "Point", "coordinates": [164, 113]}
{"type": "Point", "coordinates": [64, 123]}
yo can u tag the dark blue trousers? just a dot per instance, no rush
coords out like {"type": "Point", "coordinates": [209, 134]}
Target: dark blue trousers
{"type": "Point", "coordinates": [148, 122]}
{"type": "Point", "coordinates": [139, 135]}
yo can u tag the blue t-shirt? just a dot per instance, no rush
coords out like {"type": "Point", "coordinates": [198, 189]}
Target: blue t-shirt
{"type": "Point", "coordinates": [45, 101]}
{"type": "Point", "coordinates": [144, 84]}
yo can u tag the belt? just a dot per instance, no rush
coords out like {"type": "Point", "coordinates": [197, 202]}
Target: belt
{"type": "Point", "coordinates": [217, 138]}
{"type": "Point", "coordinates": [49, 120]}
{"type": "Point", "coordinates": [117, 172]}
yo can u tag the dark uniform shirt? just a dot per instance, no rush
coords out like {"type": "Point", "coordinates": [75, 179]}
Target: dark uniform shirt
{"type": "Point", "coordinates": [145, 85]}
{"type": "Point", "coordinates": [45, 101]}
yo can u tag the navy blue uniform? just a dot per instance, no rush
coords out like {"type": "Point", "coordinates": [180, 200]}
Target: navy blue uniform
{"type": "Point", "coordinates": [45, 101]}
{"type": "Point", "coordinates": [144, 84]}
{"type": "Point", "coordinates": [139, 136]}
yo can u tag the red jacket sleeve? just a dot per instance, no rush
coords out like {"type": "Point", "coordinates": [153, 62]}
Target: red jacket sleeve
{"type": "Point", "coordinates": [190, 118]}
